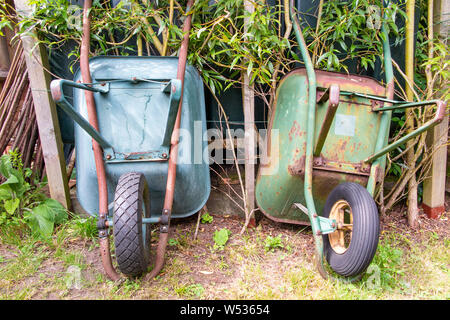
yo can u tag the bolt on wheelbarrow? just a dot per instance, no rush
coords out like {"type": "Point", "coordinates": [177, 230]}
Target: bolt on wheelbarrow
{"type": "Point", "coordinates": [131, 148]}
{"type": "Point", "coordinates": [328, 137]}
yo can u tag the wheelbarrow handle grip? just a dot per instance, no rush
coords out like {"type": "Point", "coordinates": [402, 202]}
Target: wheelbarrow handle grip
{"type": "Point", "coordinates": [174, 87]}
{"type": "Point", "coordinates": [440, 114]}
{"type": "Point", "coordinates": [56, 88]}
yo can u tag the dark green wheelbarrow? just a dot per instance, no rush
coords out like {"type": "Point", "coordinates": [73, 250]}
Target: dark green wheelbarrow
{"type": "Point", "coordinates": [328, 140]}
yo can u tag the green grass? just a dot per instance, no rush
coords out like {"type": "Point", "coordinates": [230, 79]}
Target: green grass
{"type": "Point", "coordinates": [186, 291]}
{"type": "Point", "coordinates": [255, 265]}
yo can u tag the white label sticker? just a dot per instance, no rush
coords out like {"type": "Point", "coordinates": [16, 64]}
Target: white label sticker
{"type": "Point", "coordinates": [344, 125]}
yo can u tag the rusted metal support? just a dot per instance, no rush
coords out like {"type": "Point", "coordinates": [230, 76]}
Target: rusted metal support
{"type": "Point", "coordinates": [332, 96]}
{"type": "Point", "coordinates": [97, 149]}
{"type": "Point", "coordinates": [171, 174]}
{"type": "Point", "coordinates": [440, 113]}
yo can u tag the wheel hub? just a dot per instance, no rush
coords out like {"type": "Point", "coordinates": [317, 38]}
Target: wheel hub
{"type": "Point", "coordinates": [341, 238]}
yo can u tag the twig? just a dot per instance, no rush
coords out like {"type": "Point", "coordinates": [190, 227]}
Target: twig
{"type": "Point", "coordinates": [204, 209]}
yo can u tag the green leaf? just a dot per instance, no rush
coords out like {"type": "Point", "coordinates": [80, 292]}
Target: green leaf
{"type": "Point", "coordinates": [221, 238]}
{"type": "Point", "coordinates": [249, 68]}
{"type": "Point", "coordinates": [11, 205]}
{"type": "Point", "coordinates": [5, 166]}
{"type": "Point", "coordinates": [206, 218]}
{"type": "Point", "coordinates": [43, 217]}
{"type": "Point", "coordinates": [5, 192]}
{"type": "Point", "coordinates": [11, 180]}
{"type": "Point", "coordinates": [57, 210]}
{"type": "Point", "coordinates": [40, 221]}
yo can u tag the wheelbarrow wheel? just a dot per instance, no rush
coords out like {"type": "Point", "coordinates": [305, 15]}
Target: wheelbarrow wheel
{"type": "Point", "coordinates": [131, 236]}
{"type": "Point", "coordinates": [350, 249]}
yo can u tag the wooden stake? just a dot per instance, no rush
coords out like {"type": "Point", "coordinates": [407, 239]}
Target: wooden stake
{"type": "Point", "coordinates": [46, 116]}
{"type": "Point", "coordinates": [248, 103]}
{"type": "Point", "coordinates": [434, 186]}
{"type": "Point", "coordinates": [413, 210]}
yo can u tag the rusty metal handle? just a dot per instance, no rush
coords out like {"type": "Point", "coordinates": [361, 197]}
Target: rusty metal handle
{"type": "Point", "coordinates": [440, 114]}
{"type": "Point", "coordinates": [97, 149]}
{"type": "Point", "coordinates": [171, 173]}
{"type": "Point", "coordinates": [332, 95]}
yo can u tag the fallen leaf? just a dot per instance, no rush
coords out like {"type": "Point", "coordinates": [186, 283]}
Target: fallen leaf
{"type": "Point", "coordinates": [206, 272]}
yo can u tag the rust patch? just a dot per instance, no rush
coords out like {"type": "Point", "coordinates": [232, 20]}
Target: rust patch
{"type": "Point", "coordinates": [322, 163]}
{"type": "Point", "coordinates": [343, 145]}
{"type": "Point", "coordinates": [295, 131]}
{"type": "Point", "coordinates": [325, 181]}
{"type": "Point", "coordinates": [346, 82]}
{"type": "Point", "coordinates": [298, 167]}
{"type": "Point", "coordinates": [352, 148]}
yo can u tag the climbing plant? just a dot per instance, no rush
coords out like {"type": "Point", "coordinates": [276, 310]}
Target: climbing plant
{"type": "Point", "coordinates": [346, 37]}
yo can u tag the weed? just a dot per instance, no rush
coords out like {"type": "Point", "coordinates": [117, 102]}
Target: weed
{"type": "Point", "coordinates": [83, 227]}
{"type": "Point", "coordinates": [173, 242]}
{"type": "Point", "coordinates": [222, 264]}
{"type": "Point", "coordinates": [176, 267]}
{"type": "Point", "coordinates": [22, 203]}
{"type": "Point", "coordinates": [183, 241]}
{"type": "Point", "coordinates": [221, 238]}
{"type": "Point", "coordinates": [273, 243]}
{"type": "Point", "coordinates": [73, 258]}
{"type": "Point", "coordinates": [206, 218]}
{"type": "Point", "coordinates": [27, 262]}
{"type": "Point", "coordinates": [388, 263]}
{"type": "Point", "coordinates": [195, 290]}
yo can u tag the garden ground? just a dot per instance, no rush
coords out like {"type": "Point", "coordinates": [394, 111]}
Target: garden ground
{"type": "Point", "coordinates": [272, 261]}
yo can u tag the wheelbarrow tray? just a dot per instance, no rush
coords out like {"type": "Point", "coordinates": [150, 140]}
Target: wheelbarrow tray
{"type": "Point", "coordinates": [351, 139]}
{"type": "Point", "coordinates": [133, 117]}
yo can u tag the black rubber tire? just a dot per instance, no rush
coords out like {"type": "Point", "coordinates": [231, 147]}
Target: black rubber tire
{"type": "Point", "coordinates": [365, 233]}
{"type": "Point", "coordinates": [132, 250]}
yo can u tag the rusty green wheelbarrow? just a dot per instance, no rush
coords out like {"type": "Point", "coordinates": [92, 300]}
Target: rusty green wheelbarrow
{"type": "Point", "coordinates": [328, 137]}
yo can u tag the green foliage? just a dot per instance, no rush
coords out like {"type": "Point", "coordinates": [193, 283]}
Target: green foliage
{"type": "Point", "coordinates": [42, 218]}
{"type": "Point", "coordinates": [192, 290]}
{"type": "Point", "coordinates": [349, 33]}
{"type": "Point", "coordinates": [113, 29]}
{"type": "Point", "coordinates": [22, 203]}
{"type": "Point", "coordinates": [222, 48]}
{"type": "Point", "coordinates": [438, 64]}
{"type": "Point", "coordinates": [434, 88]}
{"type": "Point", "coordinates": [173, 242]}
{"type": "Point", "coordinates": [219, 46]}
{"type": "Point", "coordinates": [389, 261]}
{"type": "Point", "coordinates": [273, 243]}
{"type": "Point", "coordinates": [225, 40]}
{"type": "Point", "coordinates": [83, 227]}
{"type": "Point", "coordinates": [221, 238]}
{"type": "Point", "coordinates": [206, 218]}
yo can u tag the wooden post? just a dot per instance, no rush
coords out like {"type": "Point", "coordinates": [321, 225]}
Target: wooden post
{"type": "Point", "coordinates": [5, 61]}
{"type": "Point", "coordinates": [46, 116]}
{"type": "Point", "coordinates": [248, 103]}
{"type": "Point", "coordinates": [434, 186]}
